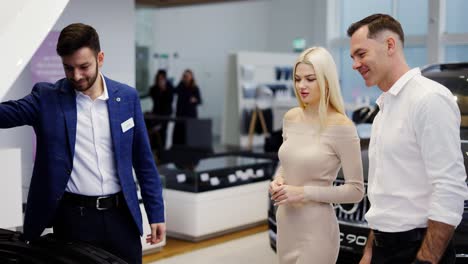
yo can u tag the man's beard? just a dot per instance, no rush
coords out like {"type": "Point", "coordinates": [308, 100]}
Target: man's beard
{"type": "Point", "coordinates": [90, 81]}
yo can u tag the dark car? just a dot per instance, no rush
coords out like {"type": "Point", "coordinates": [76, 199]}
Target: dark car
{"type": "Point", "coordinates": [353, 226]}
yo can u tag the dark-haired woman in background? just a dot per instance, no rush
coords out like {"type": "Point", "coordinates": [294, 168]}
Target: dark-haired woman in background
{"type": "Point", "coordinates": [162, 94]}
{"type": "Point", "coordinates": [188, 98]}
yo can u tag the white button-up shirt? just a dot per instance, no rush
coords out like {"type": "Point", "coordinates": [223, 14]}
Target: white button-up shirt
{"type": "Point", "coordinates": [416, 169]}
{"type": "Point", "coordinates": [94, 171]}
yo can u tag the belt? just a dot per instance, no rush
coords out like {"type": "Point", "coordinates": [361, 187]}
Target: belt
{"type": "Point", "coordinates": [96, 202]}
{"type": "Point", "coordinates": [388, 239]}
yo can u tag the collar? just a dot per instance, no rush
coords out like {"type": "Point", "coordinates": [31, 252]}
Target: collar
{"type": "Point", "coordinates": [380, 100]}
{"type": "Point", "coordinates": [398, 85]}
{"type": "Point", "coordinates": [104, 96]}
{"type": "Point", "coordinates": [401, 83]}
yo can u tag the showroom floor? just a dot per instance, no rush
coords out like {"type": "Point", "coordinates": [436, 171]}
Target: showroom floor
{"type": "Point", "coordinates": [251, 249]}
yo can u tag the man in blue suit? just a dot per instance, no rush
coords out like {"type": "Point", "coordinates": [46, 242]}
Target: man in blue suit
{"type": "Point", "coordinates": [90, 134]}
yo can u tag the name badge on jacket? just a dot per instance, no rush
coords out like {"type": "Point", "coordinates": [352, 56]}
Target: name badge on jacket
{"type": "Point", "coordinates": [127, 125]}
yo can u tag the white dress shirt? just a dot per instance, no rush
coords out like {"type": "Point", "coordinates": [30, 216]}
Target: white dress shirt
{"type": "Point", "coordinates": [416, 169]}
{"type": "Point", "coordinates": [94, 170]}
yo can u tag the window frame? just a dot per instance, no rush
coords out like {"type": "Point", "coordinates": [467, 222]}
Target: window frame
{"type": "Point", "coordinates": [436, 40]}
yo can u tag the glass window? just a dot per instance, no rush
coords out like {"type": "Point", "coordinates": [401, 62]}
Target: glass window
{"type": "Point", "coordinates": [456, 16]}
{"type": "Point", "coordinates": [144, 41]}
{"type": "Point", "coordinates": [352, 11]}
{"type": "Point", "coordinates": [456, 53]}
{"type": "Point", "coordinates": [416, 56]}
{"type": "Point", "coordinates": [353, 87]}
{"type": "Point", "coordinates": [412, 23]}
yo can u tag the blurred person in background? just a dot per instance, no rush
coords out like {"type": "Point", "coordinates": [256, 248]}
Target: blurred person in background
{"type": "Point", "coordinates": [162, 94]}
{"type": "Point", "coordinates": [188, 99]}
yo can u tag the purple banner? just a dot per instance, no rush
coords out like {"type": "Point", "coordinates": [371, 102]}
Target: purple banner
{"type": "Point", "coordinates": [45, 64]}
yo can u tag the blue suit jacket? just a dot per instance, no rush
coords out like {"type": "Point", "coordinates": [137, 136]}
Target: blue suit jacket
{"type": "Point", "coordinates": [51, 110]}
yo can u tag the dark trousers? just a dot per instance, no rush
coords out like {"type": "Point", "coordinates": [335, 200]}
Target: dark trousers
{"type": "Point", "coordinates": [112, 229]}
{"type": "Point", "coordinates": [402, 247]}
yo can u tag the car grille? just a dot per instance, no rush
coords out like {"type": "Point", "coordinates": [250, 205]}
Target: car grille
{"type": "Point", "coordinates": [352, 213]}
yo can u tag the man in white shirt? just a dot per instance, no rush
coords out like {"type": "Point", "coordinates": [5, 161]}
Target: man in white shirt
{"type": "Point", "coordinates": [416, 181]}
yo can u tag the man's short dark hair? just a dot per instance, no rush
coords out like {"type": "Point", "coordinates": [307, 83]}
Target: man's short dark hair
{"type": "Point", "coordinates": [76, 36]}
{"type": "Point", "coordinates": [376, 24]}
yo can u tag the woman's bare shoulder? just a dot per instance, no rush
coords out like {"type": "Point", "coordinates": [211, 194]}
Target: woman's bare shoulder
{"type": "Point", "coordinates": [293, 114]}
{"type": "Point", "coordinates": [339, 119]}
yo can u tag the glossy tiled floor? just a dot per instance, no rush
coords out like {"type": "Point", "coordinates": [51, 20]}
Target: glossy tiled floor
{"type": "Point", "coordinates": [250, 249]}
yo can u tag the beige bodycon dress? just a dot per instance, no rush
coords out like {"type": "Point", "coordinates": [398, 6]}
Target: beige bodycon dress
{"type": "Point", "coordinates": [308, 232]}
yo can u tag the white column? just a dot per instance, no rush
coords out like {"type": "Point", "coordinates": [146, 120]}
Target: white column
{"type": "Point", "coordinates": [11, 202]}
{"type": "Point", "coordinates": [436, 26]}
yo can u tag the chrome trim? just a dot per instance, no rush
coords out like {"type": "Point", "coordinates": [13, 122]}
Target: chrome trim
{"type": "Point", "coordinates": [272, 234]}
{"type": "Point", "coordinates": [354, 224]}
{"type": "Point", "coordinates": [357, 213]}
{"type": "Point", "coordinates": [271, 221]}
{"type": "Point", "coordinates": [348, 212]}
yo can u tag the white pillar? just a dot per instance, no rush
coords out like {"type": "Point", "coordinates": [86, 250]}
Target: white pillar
{"type": "Point", "coordinates": [11, 202]}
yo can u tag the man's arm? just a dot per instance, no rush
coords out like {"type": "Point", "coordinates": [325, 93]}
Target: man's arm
{"type": "Point", "coordinates": [437, 127]}
{"type": "Point", "coordinates": [367, 253]}
{"type": "Point", "coordinates": [145, 168]}
{"type": "Point", "coordinates": [157, 233]}
{"type": "Point", "coordinates": [148, 178]}
{"type": "Point", "coordinates": [435, 242]}
{"type": "Point", "coordinates": [23, 111]}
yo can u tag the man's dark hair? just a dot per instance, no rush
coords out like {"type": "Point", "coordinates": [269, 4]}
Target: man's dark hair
{"type": "Point", "coordinates": [76, 36]}
{"type": "Point", "coordinates": [376, 24]}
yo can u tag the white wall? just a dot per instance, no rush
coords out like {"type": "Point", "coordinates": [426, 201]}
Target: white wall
{"type": "Point", "coordinates": [296, 18]}
{"type": "Point", "coordinates": [203, 36]}
{"type": "Point", "coordinates": [20, 137]}
{"type": "Point", "coordinates": [114, 21]}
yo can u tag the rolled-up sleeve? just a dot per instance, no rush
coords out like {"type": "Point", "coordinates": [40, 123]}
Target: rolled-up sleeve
{"type": "Point", "coordinates": [437, 127]}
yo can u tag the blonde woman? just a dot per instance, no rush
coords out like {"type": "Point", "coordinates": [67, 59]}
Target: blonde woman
{"type": "Point", "coordinates": [318, 139]}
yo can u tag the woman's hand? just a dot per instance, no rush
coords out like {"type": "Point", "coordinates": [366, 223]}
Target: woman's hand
{"type": "Point", "coordinates": [275, 184]}
{"type": "Point", "coordinates": [287, 194]}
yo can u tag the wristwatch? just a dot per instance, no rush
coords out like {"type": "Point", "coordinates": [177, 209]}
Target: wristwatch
{"type": "Point", "coordinates": [418, 261]}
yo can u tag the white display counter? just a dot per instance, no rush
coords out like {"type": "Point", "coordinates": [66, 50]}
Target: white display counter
{"type": "Point", "coordinates": [197, 216]}
{"type": "Point", "coordinates": [11, 202]}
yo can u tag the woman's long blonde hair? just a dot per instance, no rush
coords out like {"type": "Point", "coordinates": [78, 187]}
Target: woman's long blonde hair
{"type": "Point", "coordinates": [327, 77]}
